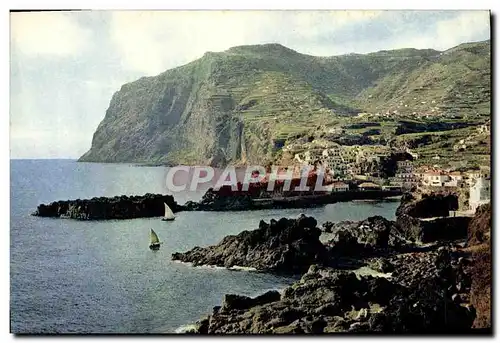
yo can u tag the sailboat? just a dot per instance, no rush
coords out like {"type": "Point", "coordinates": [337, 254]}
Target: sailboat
{"type": "Point", "coordinates": [169, 215]}
{"type": "Point", "coordinates": [155, 241]}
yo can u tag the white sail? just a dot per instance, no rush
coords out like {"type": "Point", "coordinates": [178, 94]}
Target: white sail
{"type": "Point", "coordinates": [168, 212]}
{"type": "Point", "coordinates": [154, 237]}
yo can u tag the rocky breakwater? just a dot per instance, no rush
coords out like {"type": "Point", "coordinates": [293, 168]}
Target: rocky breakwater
{"type": "Point", "coordinates": [119, 207]}
{"type": "Point", "coordinates": [326, 300]}
{"type": "Point", "coordinates": [426, 219]}
{"type": "Point", "coordinates": [284, 246]}
{"type": "Point", "coordinates": [223, 200]}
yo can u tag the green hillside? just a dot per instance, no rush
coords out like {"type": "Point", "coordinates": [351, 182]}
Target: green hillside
{"type": "Point", "coordinates": [243, 104]}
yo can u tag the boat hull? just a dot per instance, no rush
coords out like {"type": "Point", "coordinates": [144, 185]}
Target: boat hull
{"type": "Point", "coordinates": [167, 219]}
{"type": "Point", "coordinates": [154, 246]}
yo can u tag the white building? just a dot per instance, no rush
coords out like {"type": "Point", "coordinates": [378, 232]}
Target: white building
{"type": "Point", "coordinates": [340, 187]}
{"type": "Point", "coordinates": [434, 179]}
{"type": "Point", "coordinates": [454, 179]}
{"type": "Point", "coordinates": [479, 193]}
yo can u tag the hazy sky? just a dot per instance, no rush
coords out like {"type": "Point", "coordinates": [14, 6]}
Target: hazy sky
{"type": "Point", "coordinates": [65, 66]}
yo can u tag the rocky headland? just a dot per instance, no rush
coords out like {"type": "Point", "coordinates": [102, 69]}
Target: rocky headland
{"type": "Point", "coordinates": [151, 205]}
{"type": "Point", "coordinates": [426, 219]}
{"type": "Point", "coordinates": [284, 246]}
{"type": "Point", "coordinates": [119, 207]}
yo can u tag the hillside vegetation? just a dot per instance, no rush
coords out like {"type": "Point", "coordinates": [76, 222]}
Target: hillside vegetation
{"type": "Point", "coordinates": [243, 104]}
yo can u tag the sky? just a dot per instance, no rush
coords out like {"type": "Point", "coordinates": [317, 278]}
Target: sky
{"type": "Point", "coordinates": [65, 66]}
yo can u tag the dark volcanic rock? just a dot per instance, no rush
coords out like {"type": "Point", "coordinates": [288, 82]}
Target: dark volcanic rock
{"type": "Point", "coordinates": [480, 266]}
{"type": "Point", "coordinates": [426, 220]}
{"type": "Point", "coordinates": [439, 229]}
{"type": "Point", "coordinates": [432, 205]}
{"type": "Point", "coordinates": [327, 227]}
{"type": "Point", "coordinates": [381, 265]}
{"type": "Point", "coordinates": [479, 227]}
{"type": "Point", "coordinates": [286, 245]}
{"type": "Point", "coordinates": [119, 207]}
{"type": "Point", "coordinates": [241, 302]}
{"type": "Point", "coordinates": [326, 301]}
{"type": "Point", "coordinates": [224, 200]}
{"type": "Point", "coordinates": [366, 236]}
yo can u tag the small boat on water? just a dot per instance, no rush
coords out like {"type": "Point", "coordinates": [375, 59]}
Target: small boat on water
{"type": "Point", "coordinates": [154, 241]}
{"type": "Point", "coordinates": [169, 214]}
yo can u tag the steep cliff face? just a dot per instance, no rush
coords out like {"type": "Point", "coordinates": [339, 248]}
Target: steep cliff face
{"type": "Point", "coordinates": [233, 106]}
{"type": "Point", "coordinates": [178, 116]}
{"type": "Point", "coordinates": [224, 107]}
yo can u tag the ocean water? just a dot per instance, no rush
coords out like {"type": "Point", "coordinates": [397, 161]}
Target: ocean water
{"type": "Point", "coordinates": [72, 276]}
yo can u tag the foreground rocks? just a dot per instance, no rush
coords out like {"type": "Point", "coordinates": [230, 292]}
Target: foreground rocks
{"type": "Point", "coordinates": [432, 230]}
{"type": "Point", "coordinates": [420, 289]}
{"type": "Point", "coordinates": [285, 246]}
{"type": "Point", "coordinates": [372, 235]}
{"type": "Point", "coordinates": [119, 207]}
{"type": "Point", "coordinates": [329, 301]}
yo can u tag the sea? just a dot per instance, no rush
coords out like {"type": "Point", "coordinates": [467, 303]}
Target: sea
{"type": "Point", "coordinates": [69, 276]}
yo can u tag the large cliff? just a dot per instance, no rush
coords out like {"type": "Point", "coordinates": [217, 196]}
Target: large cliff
{"type": "Point", "coordinates": [242, 104]}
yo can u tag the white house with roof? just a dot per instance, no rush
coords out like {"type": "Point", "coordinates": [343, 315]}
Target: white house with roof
{"type": "Point", "coordinates": [434, 179]}
{"type": "Point", "coordinates": [479, 193]}
{"type": "Point", "coordinates": [340, 187]}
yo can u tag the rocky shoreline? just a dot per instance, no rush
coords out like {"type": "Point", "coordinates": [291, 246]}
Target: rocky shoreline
{"type": "Point", "coordinates": [245, 201]}
{"type": "Point", "coordinates": [422, 289]}
{"type": "Point", "coordinates": [284, 246]}
{"type": "Point", "coordinates": [119, 207]}
{"type": "Point", "coordinates": [151, 205]}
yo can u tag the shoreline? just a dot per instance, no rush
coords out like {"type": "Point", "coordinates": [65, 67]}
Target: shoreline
{"type": "Point", "coordinates": [151, 205]}
{"type": "Point", "coordinates": [394, 285]}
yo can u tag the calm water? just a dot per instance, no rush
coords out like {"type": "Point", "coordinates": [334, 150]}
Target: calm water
{"type": "Point", "coordinates": [100, 277]}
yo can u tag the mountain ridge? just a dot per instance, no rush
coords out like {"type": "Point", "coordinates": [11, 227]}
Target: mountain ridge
{"type": "Point", "coordinates": [242, 104]}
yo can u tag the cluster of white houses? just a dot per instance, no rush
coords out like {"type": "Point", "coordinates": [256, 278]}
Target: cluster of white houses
{"type": "Point", "coordinates": [477, 181]}
{"type": "Point", "coordinates": [343, 164]}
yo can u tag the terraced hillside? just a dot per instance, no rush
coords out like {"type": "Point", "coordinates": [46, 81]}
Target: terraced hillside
{"type": "Point", "coordinates": [457, 80]}
{"type": "Point", "coordinates": [243, 104]}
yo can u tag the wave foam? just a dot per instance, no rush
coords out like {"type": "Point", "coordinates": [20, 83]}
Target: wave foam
{"type": "Point", "coordinates": [209, 266]}
{"type": "Point", "coordinates": [189, 328]}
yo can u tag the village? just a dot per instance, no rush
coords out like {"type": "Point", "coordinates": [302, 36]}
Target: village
{"type": "Point", "coordinates": [377, 167]}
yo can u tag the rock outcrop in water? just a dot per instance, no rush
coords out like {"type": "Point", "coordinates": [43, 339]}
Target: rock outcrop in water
{"type": "Point", "coordinates": [438, 229]}
{"type": "Point", "coordinates": [119, 207]}
{"type": "Point", "coordinates": [422, 298]}
{"type": "Point", "coordinates": [430, 205]}
{"type": "Point", "coordinates": [257, 197]}
{"type": "Point", "coordinates": [284, 246]}
{"type": "Point", "coordinates": [426, 219]}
